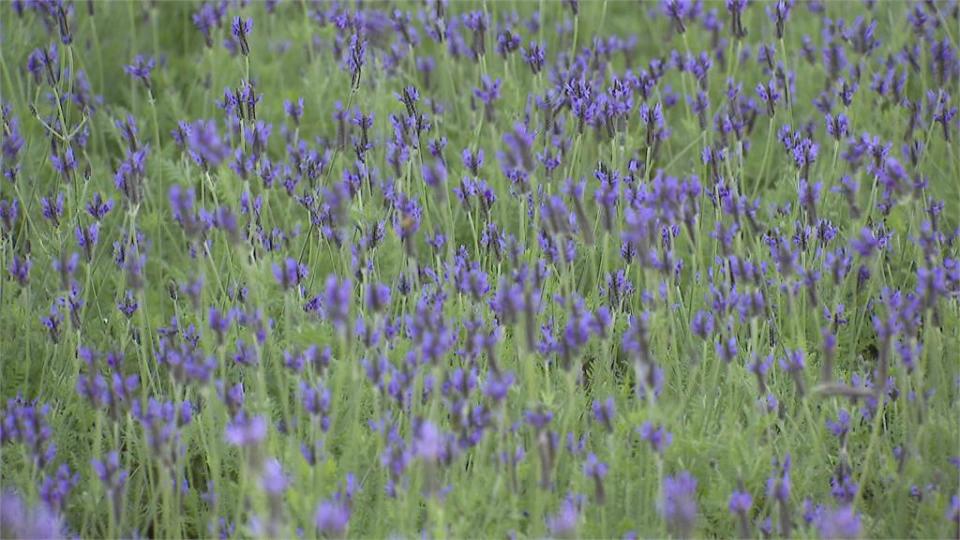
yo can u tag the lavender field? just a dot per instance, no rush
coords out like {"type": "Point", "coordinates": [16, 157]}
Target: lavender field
{"type": "Point", "coordinates": [479, 269]}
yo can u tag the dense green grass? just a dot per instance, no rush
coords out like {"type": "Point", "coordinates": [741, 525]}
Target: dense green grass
{"type": "Point", "coordinates": [722, 431]}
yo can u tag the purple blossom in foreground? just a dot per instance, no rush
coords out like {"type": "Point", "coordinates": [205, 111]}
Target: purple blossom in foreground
{"type": "Point", "coordinates": [245, 431]}
{"type": "Point", "coordinates": [332, 518]}
{"type": "Point", "coordinates": [564, 523]}
{"type": "Point", "coordinates": [679, 504]}
{"type": "Point", "coordinates": [20, 520]}
{"type": "Point", "coordinates": [739, 505]}
{"type": "Point", "coordinates": [843, 522]}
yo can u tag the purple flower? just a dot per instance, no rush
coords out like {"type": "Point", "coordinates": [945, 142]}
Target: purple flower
{"type": "Point", "coordinates": [538, 419]}
{"type": "Point", "coordinates": [355, 58]}
{"type": "Point", "coordinates": [273, 480]}
{"type": "Point", "coordinates": [769, 94]}
{"type": "Point", "coordinates": [604, 413]}
{"type": "Point", "coordinates": [739, 505]}
{"type": "Point", "coordinates": [865, 244]}
{"type": "Point", "coordinates": [596, 470]}
{"type": "Point", "coordinates": [26, 422]}
{"type": "Point", "coordinates": [740, 502]}
{"type": "Point", "coordinates": [488, 93]}
{"type": "Point", "coordinates": [337, 298]}
{"type": "Point", "coordinates": [534, 55]}
{"type": "Point", "coordinates": [18, 520]}
{"type": "Point", "coordinates": [841, 426]}
{"type": "Point", "coordinates": [240, 30]}
{"type": "Point", "coordinates": [702, 324]}
{"type": "Point", "coordinates": [838, 126]}
{"type": "Point", "coordinates": [435, 174]}
{"type": "Point", "coordinates": [838, 523]}
{"type": "Point", "coordinates": [779, 13]}
{"type": "Point", "coordinates": [332, 518]}
{"type": "Point", "coordinates": [428, 442]}
{"type": "Point", "coordinates": [473, 161]}
{"type": "Point", "coordinates": [113, 478]}
{"type": "Point", "coordinates": [736, 9]}
{"type": "Point", "coordinates": [294, 110]}
{"type": "Point", "coordinates": [679, 504]}
{"type": "Point", "coordinates": [680, 11]}
{"type": "Point", "coordinates": [778, 485]}
{"type": "Point", "coordinates": [20, 269]}
{"type": "Point", "coordinates": [98, 208]}
{"type": "Point", "coordinates": [55, 489]}
{"type": "Point", "coordinates": [141, 68]}
{"type": "Point", "coordinates": [245, 431]}
{"type": "Point", "coordinates": [161, 422]}
{"type": "Point", "coordinates": [9, 213]}
{"type": "Point", "coordinates": [563, 524]}
{"type": "Point", "coordinates": [204, 144]}
{"type": "Point", "coordinates": [658, 436]}
{"type": "Point", "coordinates": [45, 61]}
{"type": "Point", "coordinates": [377, 297]}
{"type": "Point", "coordinates": [498, 385]}
{"type": "Point", "coordinates": [290, 274]}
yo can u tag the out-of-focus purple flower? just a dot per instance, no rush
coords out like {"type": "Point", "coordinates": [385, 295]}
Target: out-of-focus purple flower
{"type": "Point", "coordinates": [779, 489]}
{"type": "Point", "coordinates": [290, 274]}
{"type": "Point", "coordinates": [246, 431]}
{"type": "Point", "coordinates": [843, 522]}
{"type": "Point", "coordinates": [679, 504]}
{"type": "Point", "coordinates": [841, 426]}
{"type": "Point", "coordinates": [866, 244]}
{"type": "Point", "coordinates": [332, 518]}
{"type": "Point", "coordinates": [605, 412]}
{"type": "Point", "coordinates": [19, 520]}
{"type": "Point", "coordinates": [273, 480]}
{"type": "Point", "coordinates": [740, 502]}
{"type": "Point", "coordinates": [205, 145]}
{"type": "Point", "coordinates": [739, 505]}
{"type": "Point", "coordinates": [26, 422]}
{"type": "Point", "coordinates": [596, 470]}
{"type": "Point", "coordinates": [428, 442]}
{"type": "Point", "coordinates": [337, 299]}
{"type": "Point", "coordinates": [658, 436]}
{"type": "Point", "coordinates": [702, 324]}
{"type": "Point", "coordinates": [538, 419]}
{"type": "Point", "coordinates": [564, 523]}
{"type": "Point", "coordinates": [435, 174]}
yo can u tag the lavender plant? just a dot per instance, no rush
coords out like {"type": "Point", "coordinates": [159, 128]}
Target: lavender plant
{"type": "Point", "coordinates": [684, 268]}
